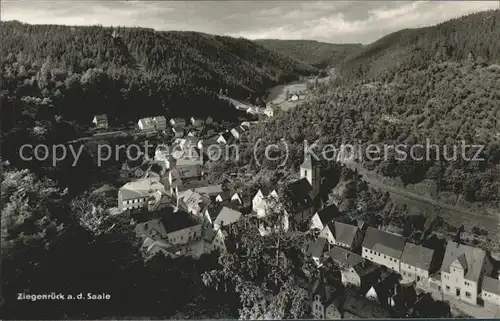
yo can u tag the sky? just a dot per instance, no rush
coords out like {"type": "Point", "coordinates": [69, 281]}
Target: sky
{"type": "Point", "coordinates": [329, 21]}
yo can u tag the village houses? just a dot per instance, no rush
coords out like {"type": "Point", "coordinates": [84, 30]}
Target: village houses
{"type": "Point", "coordinates": [383, 248]}
{"type": "Point", "coordinates": [326, 300]}
{"type": "Point", "coordinates": [149, 124]}
{"type": "Point", "coordinates": [224, 138]}
{"type": "Point", "coordinates": [100, 121]}
{"type": "Point", "coordinates": [463, 270]}
{"type": "Point", "coordinates": [491, 292]}
{"type": "Point", "coordinates": [343, 235]}
{"type": "Point", "coordinates": [238, 131]}
{"type": "Point", "coordinates": [196, 122]}
{"type": "Point", "coordinates": [178, 122]}
{"type": "Point", "coordinates": [417, 264]}
{"type": "Point", "coordinates": [324, 216]}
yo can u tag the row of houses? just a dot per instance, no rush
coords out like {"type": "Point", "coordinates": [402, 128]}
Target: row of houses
{"type": "Point", "coordinates": [254, 110]}
{"type": "Point", "coordinates": [464, 273]}
{"type": "Point", "coordinates": [157, 123]}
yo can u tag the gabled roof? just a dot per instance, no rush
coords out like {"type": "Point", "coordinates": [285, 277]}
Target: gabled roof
{"type": "Point", "coordinates": [101, 117]}
{"type": "Point", "coordinates": [316, 248]}
{"type": "Point", "coordinates": [491, 285]}
{"type": "Point", "coordinates": [194, 201]}
{"type": "Point", "coordinates": [343, 257]}
{"type": "Point", "coordinates": [474, 259]}
{"type": "Point", "coordinates": [146, 122]}
{"type": "Point", "coordinates": [226, 135]}
{"type": "Point", "coordinates": [383, 242]}
{"type": "Point", "coordinates": [227, 216]}
{"type": "Point", "coordinates": [160, 119]}
{"type": "Point", "coordinates": [209, 190]}
{"type": "Point", "coordinates": [328, 213]}
{"type": "Point", "coordinates": [140, 188]}
{"type": "Point", "coordinates": [343, 233]}
{"type": "Point", "coordinates": [184, 171]}
{"type": "Point", "coordinates": [418, 256]}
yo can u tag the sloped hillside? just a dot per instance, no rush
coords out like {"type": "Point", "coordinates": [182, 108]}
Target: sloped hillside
{"type": "Point", "coordinates": [477, 34]}
{"type": "Point", "coordinates": [318, 54]}
{"type": "Point", "coordinates": [443, 104]}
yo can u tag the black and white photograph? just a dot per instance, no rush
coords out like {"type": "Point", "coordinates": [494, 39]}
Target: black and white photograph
{"type": "Point", "coordinates": [249, 160]}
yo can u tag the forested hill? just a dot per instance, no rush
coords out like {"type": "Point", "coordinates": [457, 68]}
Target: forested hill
{"type": "Point", "coordinates": [191, 58]}
{"type": "Point", "coordinates": [476, 34]}
{"type": "Point", "coordinates": [318, 54]}
{"type": "Point", "coordinates": [58, 77]}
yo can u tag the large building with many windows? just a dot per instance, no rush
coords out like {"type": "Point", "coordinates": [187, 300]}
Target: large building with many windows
{"type": "Point", "coordinates": [383, 248]}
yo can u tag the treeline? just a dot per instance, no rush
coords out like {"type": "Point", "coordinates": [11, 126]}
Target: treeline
{"type": "Point", "coordinates": [476, 34]}
{"type": "Point", "coordinates": [315, 53]}
{"type": "Point", "coordinates": [55, 79]}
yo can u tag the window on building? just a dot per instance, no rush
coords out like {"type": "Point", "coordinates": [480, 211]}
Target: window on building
{"type": "Point", "coordinates": [447, 288]}
{"type": "Point", "coordinates": [468, 294]}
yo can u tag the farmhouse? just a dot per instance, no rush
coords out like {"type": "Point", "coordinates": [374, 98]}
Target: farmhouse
{"type": "Point", "coordinates": [383, 248]}
{"type": "Point", "coordinates": [226, 217]}
{"type": "Point", "coordinates": [344, 235]}
{"type": "Point", "coordinates": [137, 193]}
{"type": "Point", "coordinates": [417, 263]}
{"type": "Point", "coordinates": [146, 124]}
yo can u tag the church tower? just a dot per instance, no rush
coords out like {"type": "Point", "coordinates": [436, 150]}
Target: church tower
{"type": "Point", "coordinates": [310, 170]}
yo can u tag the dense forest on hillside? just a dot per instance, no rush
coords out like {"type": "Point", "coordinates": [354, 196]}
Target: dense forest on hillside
{"type": "Point", "coordinates": [444, 104]}
{"type": "Point", "coordinates": [476, 34]}
{"type": "Point", "coordinates": [318, 54]}
{"type": "Point", "coordinates": [56, 78]}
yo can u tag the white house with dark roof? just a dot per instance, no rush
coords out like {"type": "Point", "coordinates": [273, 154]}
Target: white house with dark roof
{"type": "Point", "coordinates": [269, 111]}
{"type": "Point", "coordinates": [316, 249]}
{"type": "Point", "coordinates": [146, 124]}
{"type": "Point", "coordinates": [178, 122]}
{"type": "Point", "coordinates": [224, 138]}
{"type": "Point", "coordinates": [137, 194]}
{"type": "Point", "coordinates": [343, 235]}
{"type": "Point", "coordinates": [310, 170]}
{"type": "Point", "coordinates": [417, 264]}
{"type": "Point", "coordinates": [491, 291]}
{"type": "Point", "coordinates": [462, 271]}
{"type": "Point", "coordinates": [227, 196]}
{"type": "Point", "coordinates": [160, 122]}
{"type": "Point", "coordinates": [238, 131]}
{"type": "Point", "coordinates": [100, 121]}
{"type": "Point", "coordinates": [383, 248]}
{"type": "Point", "coordinates": [324, 216]}
{"type": "Point", "coordinates": [259, 201]}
